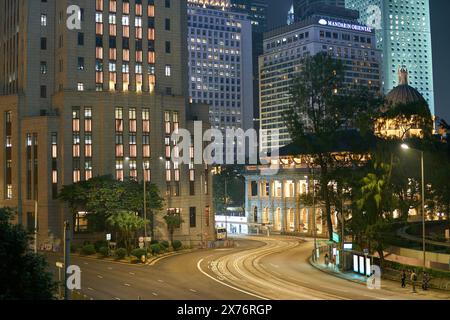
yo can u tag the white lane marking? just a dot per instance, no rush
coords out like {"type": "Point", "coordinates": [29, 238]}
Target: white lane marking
{"type": "Point", "coordinates": [86, 263]}
{"type": "Point", "coordinates": [100, 277]}
{"type": "Point", "coordinates": [160, 281]}
{"type": "Point", "coordinates": [127, 285]}
{"type": "Point", "coordinates": [90, 289]}
{"type": "Point", "coordinates": [341, 290]}
{"type": "Point", "coordinates": [155, 294]}
{"type": "Point", "coordinates": [132, 273]}
{"type": "Point", "coordinates": [109, 268]}
{"type": "Point", "coordinates": [192, 290]}
{"type": "Point", "coordinates": [116, 298]}
{"type": "Point", "coordinates": [226, 284]}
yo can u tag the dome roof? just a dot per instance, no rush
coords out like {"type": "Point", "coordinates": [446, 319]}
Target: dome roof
{"type": "Point", "coordinates": [404, 93]}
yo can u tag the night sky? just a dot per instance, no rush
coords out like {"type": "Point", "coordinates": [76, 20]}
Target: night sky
{"type": "Point", "coordinates": [440, 9]}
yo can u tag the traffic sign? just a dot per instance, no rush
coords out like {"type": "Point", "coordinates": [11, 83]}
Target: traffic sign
{"type": "Point", "coordinates": [59, 265]}
{"type": "Point", "coordinates": [335, 237]}
{"type": "Point", "coordinates": [108, 237]}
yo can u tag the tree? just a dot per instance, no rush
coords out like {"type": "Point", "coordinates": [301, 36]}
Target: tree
{"type": "Point", "coordinates": [173, 221]}
{"type": "Point", "coordinates": [324, 110]}
{"type": "Point", "coordinates": [232, 176]}
{"type": "Point", "coordinates": [127, 224]}
{"type": "Point", "coordinates": [23, 274]}
{"type": "Point", "coordinates": [104, 196]}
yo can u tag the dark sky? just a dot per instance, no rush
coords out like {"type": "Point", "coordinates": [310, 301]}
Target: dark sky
{"type": "Point", "coordinates": [440, 10]}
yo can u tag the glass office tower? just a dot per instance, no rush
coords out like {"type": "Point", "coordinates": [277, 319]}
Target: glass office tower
{"type": "Point", "coordinates": [404, 36]}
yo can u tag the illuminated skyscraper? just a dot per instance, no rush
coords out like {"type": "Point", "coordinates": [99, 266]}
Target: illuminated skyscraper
{"type": "Point", "coordinates": [404, 36]}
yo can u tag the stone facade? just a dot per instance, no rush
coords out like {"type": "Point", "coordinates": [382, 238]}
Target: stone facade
{"type": "Point", "coordinates": [70, 131]}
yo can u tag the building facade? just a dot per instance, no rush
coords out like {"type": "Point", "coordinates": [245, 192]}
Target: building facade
{"type": "Point", "coordinates": [257, 13]}
{"type": "Point", "coordinates": [101, 98]}
{"type": "Point", "coordinates": [404, 36]}
{"type": "Point", "coordinates": [220, 63]}
{"type": "Point", "coordinates": [285, 50]}
{"type": "Point", "coordinates": [275, 203]}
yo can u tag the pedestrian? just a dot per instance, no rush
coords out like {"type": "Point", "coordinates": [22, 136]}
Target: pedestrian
{"type": "Point", "coordinates": [326, 260]}
{"type": "Point", "coordinates": [403, 277]}
{"type": "Point", "coordinates": [413, 280]}
{"type": "Point", "coordinates": [334, 261]}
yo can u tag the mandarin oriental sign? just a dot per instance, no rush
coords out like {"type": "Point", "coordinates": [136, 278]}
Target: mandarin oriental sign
{"type": "Point", "coordinates": [343, 25]}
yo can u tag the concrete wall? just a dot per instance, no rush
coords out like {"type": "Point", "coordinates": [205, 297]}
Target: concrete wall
{"type": "Point", "coordinates": [415, 258]}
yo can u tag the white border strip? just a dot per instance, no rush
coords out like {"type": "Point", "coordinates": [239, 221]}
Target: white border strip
{"type": "Point", "coordinates": [226, 284]}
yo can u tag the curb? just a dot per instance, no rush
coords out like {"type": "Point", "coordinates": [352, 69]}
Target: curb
{"type": "Point", "coordinates": [154, 260]}
{"type": "Point", "coordinates": [334, 274]}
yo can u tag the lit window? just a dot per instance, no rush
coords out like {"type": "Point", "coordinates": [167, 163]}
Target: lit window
{"type": "Point", "coordinates": [80, 86]}
{"type": "Point", "coordinates": [43, 20]}
{"type": "Point", "coordinates": [168, 70]}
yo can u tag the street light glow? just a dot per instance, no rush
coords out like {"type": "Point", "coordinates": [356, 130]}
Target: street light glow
{"type": "Point", "coordinates": [405, 146]}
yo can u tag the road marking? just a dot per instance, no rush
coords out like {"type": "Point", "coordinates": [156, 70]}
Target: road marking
{"type": "Point", "coordinates": [100, 277]}
{"type": "Point", "coordinates": [116, 298]}
{"type": "Point", "coordinates": [155, 294]}
{"type": "Point", "coordinates": [109, 268]}
{"type": "Point", "coordinates": [192, 290]}
{"type": "Point", "coordinates": [127, 285]}
{"type": "Point", "coordinates": [86, 263]}
{"type": "Point", "coordinates": [90, 289]}
{"type": "Point", "coordinates": [341, 290]}
{"type": "Point", "coordinates": [274, 265]}
{"type": "Point", "coordinates": [132, 273]}
{"type": "Point", "coordinates": [226, 284]}
{"type": "Point", "coordinates": [160, 281]}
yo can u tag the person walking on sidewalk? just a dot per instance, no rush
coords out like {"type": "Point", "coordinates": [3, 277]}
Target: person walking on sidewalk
{"type": "Point", "coordinates": [326, 260]}
{"type": "Point", "coordinates": [403, 279]}
{"type": "Point", "coordinates": [413, 280]}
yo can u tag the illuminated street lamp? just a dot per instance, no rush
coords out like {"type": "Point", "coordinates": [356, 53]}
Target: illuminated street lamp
{"type": "Point", "coordinates": [406, 147]}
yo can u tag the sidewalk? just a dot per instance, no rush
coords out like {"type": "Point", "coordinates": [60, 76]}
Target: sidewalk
{"type": "Point", "coordinates": [389, 285]}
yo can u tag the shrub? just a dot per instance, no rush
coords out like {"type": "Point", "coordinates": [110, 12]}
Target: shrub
{"type": "Point", "coordinates": [88, 250]}
{"type": "Point", "coordinates": [121, 253]}
{"type": "Point", "coordinates": [177, 244]}
{"type": "Point", "coordinates": [138, 253]}
{"type": "Point", "coordinates": [154, 242]}
{"type": "Point", "coordinates": [104, 251]}
{"type": "Point", "coordinates": [156, 248]}
{"type": "Point", "coordinates": [164, 244]}
{"type": "Point", "coordinates": [99, 244]}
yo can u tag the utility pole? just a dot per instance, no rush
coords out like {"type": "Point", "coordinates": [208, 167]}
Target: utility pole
{"type": "Point", "coordinates": [201, 207]}
{"type": "Point", "coordinates": [423, 210]}
{"type": "Point", "coordinates": [226, 205]}
{"type": "Point", "coordinates": [66, 257]}
{"type": "Point", "coordinates": [145, 207]}
{"type": "Point", "coordinates": [36, 226]}
{"type": "Point", "coordinates": [314, 216]}
{"type": "Point", "coordinates": [342, 233]}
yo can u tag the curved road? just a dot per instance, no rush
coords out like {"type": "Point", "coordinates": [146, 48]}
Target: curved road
{"type": "Point", "coordinates": [258, 268]}
{"type": "Point", "coordinates": [280, 270]}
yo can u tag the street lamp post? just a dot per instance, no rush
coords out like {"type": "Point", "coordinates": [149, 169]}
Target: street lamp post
{"type": "Point", "coordinates": [407, 147]}
{"type": "Point", "coordinates": [145, 205]}
{"type": "Point", "coordinates": [226, 208]}
{"type": "Point", "coordinates": [314, 215]}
